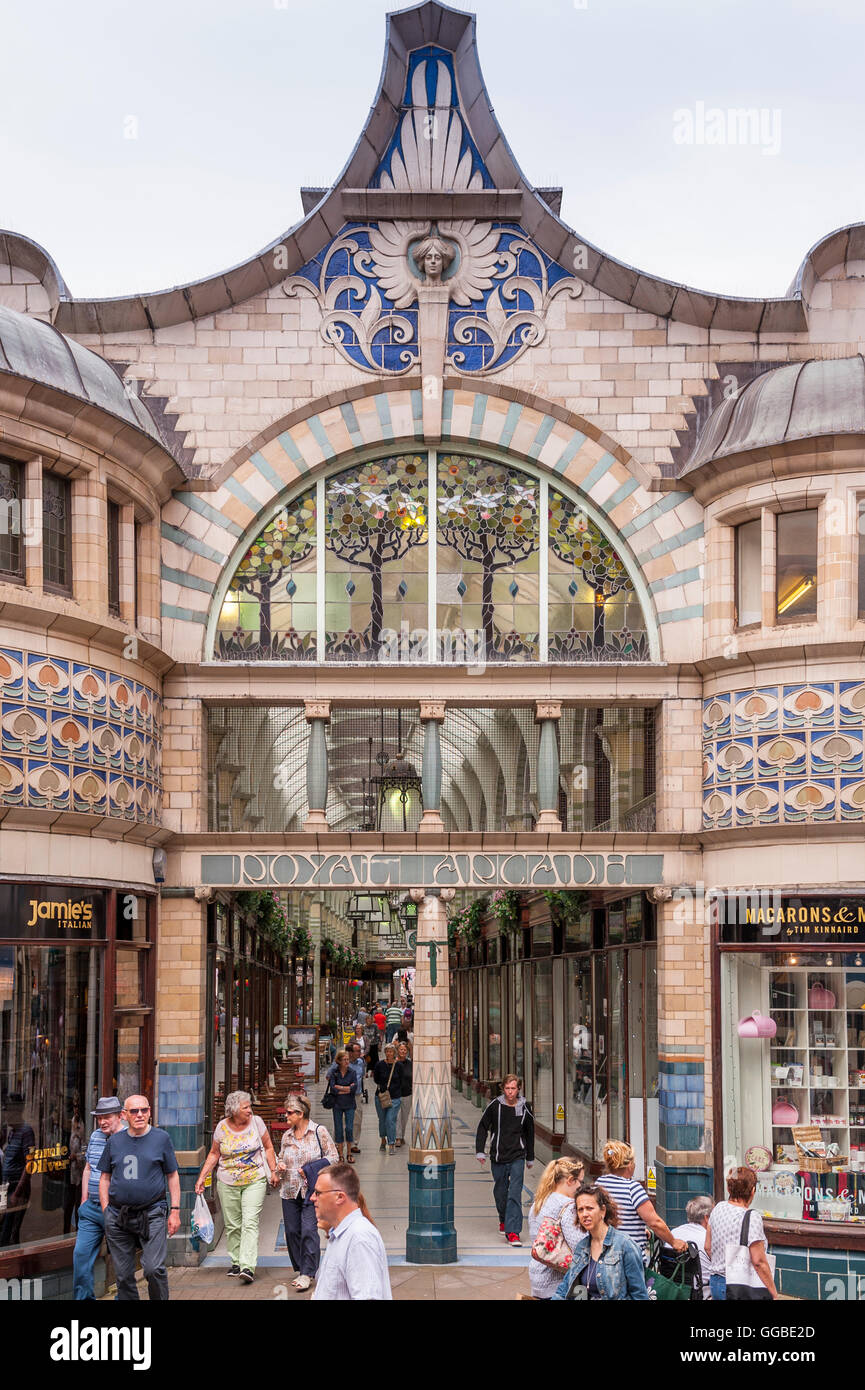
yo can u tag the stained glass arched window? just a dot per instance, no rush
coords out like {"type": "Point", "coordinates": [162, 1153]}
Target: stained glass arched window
{"type": "Point", "coordinates": [269, 610]}
{"type": "Point", "coordinates": [434, 557]}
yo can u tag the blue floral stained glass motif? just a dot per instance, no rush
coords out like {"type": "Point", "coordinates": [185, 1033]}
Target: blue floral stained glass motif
{"type": "Point", "coordinates": [594, 610]}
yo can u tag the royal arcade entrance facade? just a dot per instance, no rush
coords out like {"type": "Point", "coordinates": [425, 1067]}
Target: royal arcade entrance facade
{"type": "Point", "coordinates": [433, 590]}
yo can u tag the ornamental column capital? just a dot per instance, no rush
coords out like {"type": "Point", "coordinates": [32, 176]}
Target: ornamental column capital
{"type": "Point", "coordinates": [547, 709]}
{"type": "Point", "coordinates": [316, 709]}
{"type": "Point", "coordinates": [432, 709]}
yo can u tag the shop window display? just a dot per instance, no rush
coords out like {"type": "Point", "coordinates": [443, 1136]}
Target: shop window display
{"type": "Point", "coordinates": [49, 1070]}
{"type": "Point", "coordinates": [794, 1098]}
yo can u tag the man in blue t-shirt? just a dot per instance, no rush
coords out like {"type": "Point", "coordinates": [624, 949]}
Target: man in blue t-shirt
{"type": "Point", "coordinates": [91, 1222]}
{"type": "Point", "coordinates": [134, 1167]}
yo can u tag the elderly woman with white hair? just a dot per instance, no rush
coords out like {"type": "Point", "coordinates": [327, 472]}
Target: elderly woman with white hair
{"type": "Point", "coordinates": [306, 1149]}
{"type": "Point", "coordinates": [243, 1149]}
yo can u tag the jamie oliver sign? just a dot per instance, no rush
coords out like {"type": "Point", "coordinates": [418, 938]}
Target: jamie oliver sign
{"type": "Point", "coordinates": [315, 870]}
{"type": "Point", "coordinates": [37, 911]}
{"type": "Point", "coordinates": [767, 916]}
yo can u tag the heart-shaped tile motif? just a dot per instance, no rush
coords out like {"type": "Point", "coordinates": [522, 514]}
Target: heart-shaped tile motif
{"type": "Point", "coordinates": [24, 725]}
{"type": "Point", "coordinates": [734, 756]}
{"type": "Point", "coordinates": [715, 805]}
{"type": "Point", "coordinates": [49, 676]}
{"type": "Point", "coordinates": [754, 706]}
{"type": "Point", "coordinates": [809, 796]}
{"type": "Point", "coordinates": [90, 787]}
{"type": "Point", "coordinates": [837, 748]}
{"type": "Point", "coordinates": [5, 669]}
{"type": "Point", "coordinates": [90, 686]}
{"type": "Point", "coordinates": [6, 778]}
{"type": "Point", "coordinates": [48, 780]}
{"type": "Point", "coordinates": [807, 699]}
{"type": "Point", "coordinates": [780, 751]}
{"type": "Point", "coordinates": [715, 713]}
{"type": "Point", "coordinates": [756, 800]}
{"type": "Point", "coordinates": [70, 732]}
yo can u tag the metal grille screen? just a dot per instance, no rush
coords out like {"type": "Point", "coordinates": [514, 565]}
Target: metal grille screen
{"type": "Point", "coordinates": [257, 768]}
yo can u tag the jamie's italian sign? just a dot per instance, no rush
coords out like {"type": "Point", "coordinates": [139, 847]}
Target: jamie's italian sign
{"type": "Point", "coordinates": [40, 912]}
{"type": "Point", "coordinates": [316, 870]}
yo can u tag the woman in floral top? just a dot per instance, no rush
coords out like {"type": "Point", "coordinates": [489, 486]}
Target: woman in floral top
{"type": "Point", "coordinates": [555, 1198]}
{"type": "Point", "coordinates": [302, 1143]}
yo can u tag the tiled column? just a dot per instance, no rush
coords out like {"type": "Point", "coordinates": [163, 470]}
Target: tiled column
{"type": "Point", "coordinates": [318, 717]}
{"type": "Point", "coordinates": [181, 1019]}
{"type": "Point", "coordinates": [684, 1157]}
{"type": "Point", "coordinates": [432, 713]}
{"type": "Point", "coordinates": [431, 1237]}
{"type": "Point", "coordinates": [89, 573]}
{"type": "Point", "coordinates": [547, 714]}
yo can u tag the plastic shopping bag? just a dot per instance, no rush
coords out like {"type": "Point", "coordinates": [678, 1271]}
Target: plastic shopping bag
{"type": "Point", "coordinates": [202, 1221]}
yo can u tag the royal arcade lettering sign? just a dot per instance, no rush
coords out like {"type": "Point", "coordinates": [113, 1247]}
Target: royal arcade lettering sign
{"type": "Point", "coordinates": [471, 870]}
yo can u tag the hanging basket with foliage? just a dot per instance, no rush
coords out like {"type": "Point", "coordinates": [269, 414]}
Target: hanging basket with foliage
{"type": "Point", "coordinates": [505, 907]}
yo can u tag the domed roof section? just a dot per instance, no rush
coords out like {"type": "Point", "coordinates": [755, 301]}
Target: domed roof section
{"type": "Point", "coordinates": [801, 401]}
{"type": "Point", "coordinates": [35, 350]}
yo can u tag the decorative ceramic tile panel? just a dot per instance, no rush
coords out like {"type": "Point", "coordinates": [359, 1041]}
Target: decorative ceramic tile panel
{"type": "Point", "coordinates": [784, 755]}
{"type": "Point", "coordinates": [77, 738]}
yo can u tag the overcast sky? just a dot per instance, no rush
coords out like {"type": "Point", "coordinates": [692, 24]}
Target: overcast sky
{"type": "Point", "coordinates": [234, 104]}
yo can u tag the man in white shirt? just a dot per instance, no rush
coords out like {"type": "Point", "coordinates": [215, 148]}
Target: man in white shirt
{"type": "Point", "coordinates": [354, 1263]}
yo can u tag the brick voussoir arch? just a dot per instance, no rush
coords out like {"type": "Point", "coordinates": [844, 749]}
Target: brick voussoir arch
{"type": "Point", "coordinates": [202, 528]}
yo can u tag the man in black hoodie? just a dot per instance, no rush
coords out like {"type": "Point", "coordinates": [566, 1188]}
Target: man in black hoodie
{"type": "Point", "coordinates": [510, 1124]}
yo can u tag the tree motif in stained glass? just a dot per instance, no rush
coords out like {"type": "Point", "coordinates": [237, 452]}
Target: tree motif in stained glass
{"type": "Point", "coordinates": [376, 524]}
{"type": "Point", "coordinates": [269, 610]}
{"type": "Point", "coordinates": [488, 518]}
{"type": "Point", "coordinates": [594, 611]}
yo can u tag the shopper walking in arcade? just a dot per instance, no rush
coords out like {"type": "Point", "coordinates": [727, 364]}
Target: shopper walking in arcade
{"type": "Point", "coordinates": [555, 1204]}
{"type": "Point", "coordinates": [606, 1264]}
{"type": "Point", "coordinates": [388, 1096]}
{"type": "Point", "coordinates": [305, 1148]}
{"type": "Point", "coordinates": [134, 1167]}
{"type": "Point", "coordinates": [342, 1079]}
{"type": "Point", "coordinates": [726, 1227]}
{"type": "Point", "coordinates": [405, 1067]}
{"type": "Point", "coordinates": [358, 1066]}
{"type": "Point", "coordinates": [242, 1152]}
{"type": "Point", "coordinates": [637, 1215]}
{"type": "Point", "coordinates": [109, 1119]}
{"type": "Point", "coordinates": [393, 1021]}
{"type": "Point", "coordinates": [354, 1265]}
{"type": "Point", "coordinates": [509, 1125]}
{"type": "Point", "coordinates": [371, 1037]}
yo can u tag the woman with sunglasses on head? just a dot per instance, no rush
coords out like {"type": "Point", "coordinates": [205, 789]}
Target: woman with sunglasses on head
{"type": "Point", "coordinates": [302, 1143]}
{"type": "Point", "coordinates": [555, 1202]}
{"type": "Point", "coordinates": [243, 1150]}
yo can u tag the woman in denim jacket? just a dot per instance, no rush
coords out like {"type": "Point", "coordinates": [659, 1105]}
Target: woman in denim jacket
{"type": "Point", "coordinates": [606, 1262]}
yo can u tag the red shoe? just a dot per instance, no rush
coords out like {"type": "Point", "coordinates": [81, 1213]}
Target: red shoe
{"type": "Point", "coordinates": [501, 1227]}
{"type": "Point", "coordinates": [513, 1239]}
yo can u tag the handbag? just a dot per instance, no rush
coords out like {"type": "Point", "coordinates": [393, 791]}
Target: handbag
{"type": "Point", "coordinates": [549, 1246]}
{"type": "Point", "coordinates": [328, 1100]}
{"type": "Point", "coordinates": [312, 1169]}
{"type": "Point", "coordinates": [384, 1097]}
{"type": "Point", "coordinates": [784, 1112]}
{"type": "Point", "coordinates": [743, 1282]}
{"type": "Point", "coordinates": [677, 1286]}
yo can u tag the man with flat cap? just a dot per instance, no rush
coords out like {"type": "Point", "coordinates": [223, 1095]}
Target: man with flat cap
{"type": "Point", "coordinates": [109, 1118]}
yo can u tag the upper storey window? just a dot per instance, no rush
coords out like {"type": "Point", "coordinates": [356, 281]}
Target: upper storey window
{"type": "Point", "coordinates": [56, 535]}
{"type": "Point", "coordinates": [432, 557]}
{"type": "Point", "coordinates": [749, 573]}
{"type": "Point", "coordinates": [796, 566]}
{"type": "Point", "coordinates": [11, 494]}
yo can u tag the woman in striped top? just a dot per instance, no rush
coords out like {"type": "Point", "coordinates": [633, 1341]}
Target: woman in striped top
{"type": "Point", "coordinates": [636, 1210]}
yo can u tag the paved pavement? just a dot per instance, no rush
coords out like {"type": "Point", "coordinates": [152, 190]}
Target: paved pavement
{"type": "Point", "coordinates": [487, 1268]}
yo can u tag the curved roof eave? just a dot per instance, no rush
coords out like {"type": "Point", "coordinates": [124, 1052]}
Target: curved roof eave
{"type": "Point", "coordinates": [431, 22]}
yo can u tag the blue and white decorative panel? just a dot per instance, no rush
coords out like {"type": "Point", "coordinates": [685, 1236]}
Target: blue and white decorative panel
{"type": "Point", "coordinates": [786, 754]}
{"type": "Point", "coordinates": [75, 737]}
